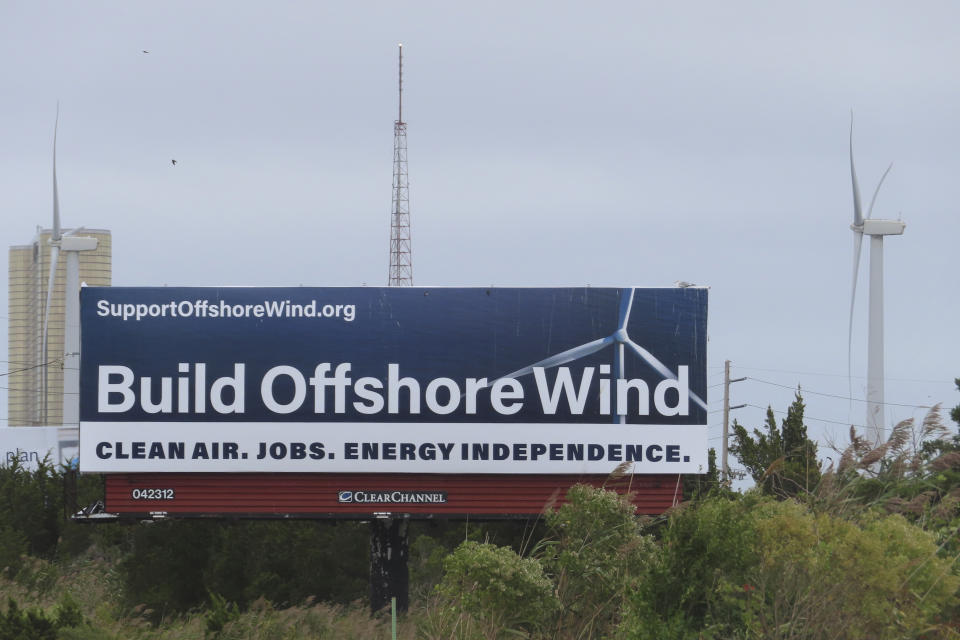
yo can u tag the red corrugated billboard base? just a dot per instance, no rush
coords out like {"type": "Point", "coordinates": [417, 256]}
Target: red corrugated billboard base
{"type": "Point", "coordinates": [323, 495]}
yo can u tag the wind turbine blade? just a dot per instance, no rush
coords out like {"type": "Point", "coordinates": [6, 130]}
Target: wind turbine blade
{"type": "Point", "coordinates": [564, 357]}
{"type": "Point", "coordinates": [857, 246]}
{"type": "Point", "coordinates": [55, 234]}
{"type": "Point", "coordinates": [857, 212]}
{"type": "Point", "coordinates": [879, 184]}
{"type": "Point", "coordinates": [661, 368]}
{"type": "Point", "coordinates": [74, 232]}
{"type": "Point", "coordinates": [626, 303]}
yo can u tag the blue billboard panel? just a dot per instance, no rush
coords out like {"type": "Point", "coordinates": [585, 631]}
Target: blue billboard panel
{"type": "Point", "coordinates": [447, 380]}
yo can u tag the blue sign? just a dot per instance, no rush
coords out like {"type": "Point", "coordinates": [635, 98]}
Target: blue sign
{"type": "Point", "coordinates": [452, 364]}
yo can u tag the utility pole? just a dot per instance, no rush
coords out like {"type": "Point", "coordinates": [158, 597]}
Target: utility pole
{"type": "Point", "coordinates": [725, 469]}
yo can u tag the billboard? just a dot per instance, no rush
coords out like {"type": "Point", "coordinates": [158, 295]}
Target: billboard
{"type": "Point", "coordinates": [29, 446]}
{"type": "Point", "coordinates": [393, 380]}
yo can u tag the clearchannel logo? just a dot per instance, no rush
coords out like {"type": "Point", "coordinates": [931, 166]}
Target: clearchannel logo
{"type": "Point", "coordinates": [392, 497]}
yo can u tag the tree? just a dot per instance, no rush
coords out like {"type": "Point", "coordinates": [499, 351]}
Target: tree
{"type": "Point", "coordinates": [955, 412]}
{"type": "Point", "coordinates": [783, 460]}
{"type": "Point", "coordinates": [750, 566]}
{"type": "Point", "coordinates": [698, 485]}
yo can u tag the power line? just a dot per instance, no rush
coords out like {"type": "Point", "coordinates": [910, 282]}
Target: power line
{"type": "Point", "coordinates": [74, 393]}
{"type": "Point", "coordinates": [831, 395]}
{"type": "Point", "coordinates": [36, 366]}
{"type": "Point", "coordinates": [843, 375]}
{"type": "Point", "coordinates": [806, 417]}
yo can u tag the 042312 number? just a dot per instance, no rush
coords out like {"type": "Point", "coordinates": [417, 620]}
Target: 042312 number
{"type": "Point", "coordinates": [152, 494]}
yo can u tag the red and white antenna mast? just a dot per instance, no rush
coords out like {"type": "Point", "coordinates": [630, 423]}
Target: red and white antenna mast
{"type": "Point", "coordinates": [401, 257]}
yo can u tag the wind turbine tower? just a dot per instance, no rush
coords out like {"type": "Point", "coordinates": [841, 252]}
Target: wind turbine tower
{"type": "Point", "coordinates": [876, 229]}
{"type": "Point", "coordinates": [70, 245]}
{"type": "Point", "coordinates": [401, 257]}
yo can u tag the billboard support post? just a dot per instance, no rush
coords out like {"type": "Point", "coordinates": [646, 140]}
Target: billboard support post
{"type": "Point", "coordinates": [389, 573]}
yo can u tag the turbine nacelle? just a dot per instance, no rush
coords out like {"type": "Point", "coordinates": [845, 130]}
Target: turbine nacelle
{"type": "Point", "coordinates": [78, 243]}
{"type": "Point", "coordinates": [875, 227]}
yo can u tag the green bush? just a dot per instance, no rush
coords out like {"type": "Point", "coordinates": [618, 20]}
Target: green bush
{"type": "Point", "coordinates": [488, 589]}
{"type": "Point", "coordinates": [175, 564]}
{"type": "Point", "coordinates": [595, 552]}
{"type": "Point", "coordinates": [754, 567]}
{"type": "Point", "coordinates": [68, 613]}
{"type": "Point", "coordinates": [31, 503]}
{"type": "Point", "coordinates": [287, 562]}
{"type": "Point", "coordinates": [165, 570]}
{"type": "Point", "coordinates": [13, 545]}
{"type": "Point", "coordinates": [433, 540]}
{"type": "Point", "coordinates": [34, 514]}
{"type": "Point", "coordinates": [878, 578]}
{"type": "Point", "coordinates": [219, 614]}
{"type": "Point", "coordinates": [19, 624]}
{"type": "Point", "coordinates": [705, 549]}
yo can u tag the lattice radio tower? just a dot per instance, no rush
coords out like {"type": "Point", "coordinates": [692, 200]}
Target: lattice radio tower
{"type": "Point", "coordinates": [401, 257]}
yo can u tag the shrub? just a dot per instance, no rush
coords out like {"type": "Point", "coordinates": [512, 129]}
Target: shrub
{"type": "Point", "coordinates": [757, 568]}
{"type": "Point", "coordinates": [219, 614]}
{"type": "Point", "coordinates": [175, 564]}
{"type": "Point", "coordinates": [705, 550]}
{"type": "Point", "coordinates": [31, 503]}
{"type": "Point", "coordinates": [488, 589]}
{"type": "Point", "coordinates": [19, 624]}
{"type": "Point", "coordinates": [595, 552]}
{"type": "Point", "coordinates": [13, 544]}
{"type": "Point", "coordinates": [879, 578]}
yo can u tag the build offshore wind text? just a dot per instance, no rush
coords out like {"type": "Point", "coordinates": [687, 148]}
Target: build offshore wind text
{"type": "Point", "coordinates": [331, 389]}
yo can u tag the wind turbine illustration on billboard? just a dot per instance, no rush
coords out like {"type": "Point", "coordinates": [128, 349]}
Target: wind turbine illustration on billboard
{"type": "Point", "coordinates": [620, 342]}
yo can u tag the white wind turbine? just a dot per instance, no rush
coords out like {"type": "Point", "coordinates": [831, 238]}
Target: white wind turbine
{"type": "Point", "coordinates": [71, 245]}
{"type": "Point", "coordinates": [876, 229]}
{"type": "Point", "coordinates": [620, 340]}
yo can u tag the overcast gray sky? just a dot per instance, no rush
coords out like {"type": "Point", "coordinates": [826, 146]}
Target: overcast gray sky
{"type": "Point", "coordinates": [550, 143]}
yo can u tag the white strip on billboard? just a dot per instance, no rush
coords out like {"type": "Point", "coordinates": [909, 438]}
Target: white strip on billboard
{"type": "Point", "coordinates": [378, 447]}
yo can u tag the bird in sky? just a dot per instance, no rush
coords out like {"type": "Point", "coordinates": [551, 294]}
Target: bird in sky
{"type": "Point", "coordinates": [173, 162]}
{"type": "Point", "coordinates": [145, 51]}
